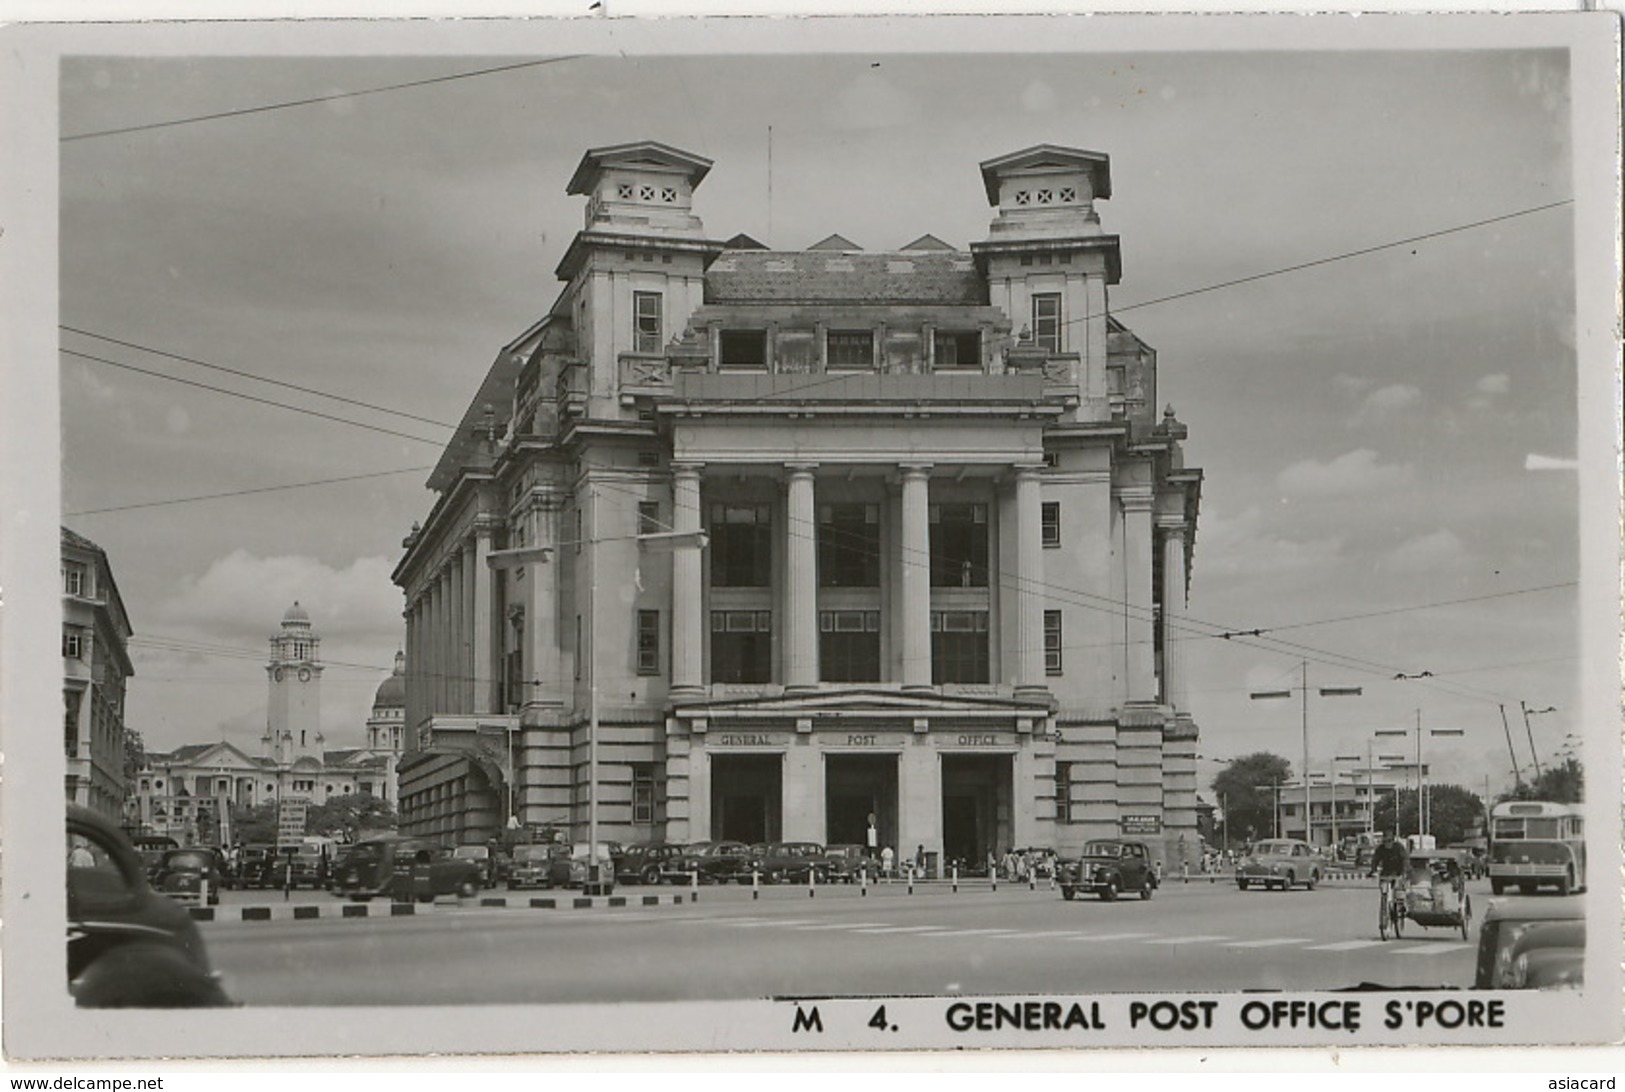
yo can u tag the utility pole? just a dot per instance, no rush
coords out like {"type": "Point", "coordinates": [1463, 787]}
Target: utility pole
{"type": "Point", "coordinates": [1303, 688]}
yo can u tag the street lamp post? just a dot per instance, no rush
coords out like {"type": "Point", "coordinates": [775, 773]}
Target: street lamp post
{"type": "Point", "coordinates": [659, 541]}
{"type": "Point", "coordinates": [1421, 769]}
{"type": "Point", "coordinates": [1303, 688]}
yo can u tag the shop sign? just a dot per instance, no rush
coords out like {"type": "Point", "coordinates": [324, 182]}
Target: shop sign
{"type": "Point", "coordinates": [861, 739]}
{"type": "Point", "coordinates": [290, 821]}
{"type": "Point", "coordinates": [974, 739]}
{"type": "Point", "coordinates": [1141, 824]}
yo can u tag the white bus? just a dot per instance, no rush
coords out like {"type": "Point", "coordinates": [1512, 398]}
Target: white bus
{"type": "Point", "coordinates": [1534, 843]}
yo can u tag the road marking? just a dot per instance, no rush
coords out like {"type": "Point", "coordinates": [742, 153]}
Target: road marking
{"type": "Point", "coordinates": [768, 924]}
{"type": "Point", "coordinates": [1272, 942]}
{"type": "Point", "coordinates": [1049, 933]}
{"type": "Point", "coordinates": [1345, 946]}
{"type": "Point", "coordinates": [841, 925]}
{"type": "Point", "coordinates": [1187, 940]}
{"type": "Point", "coordinates": [1432, 949]}
{"type": "Point", "coordinates": [1113, 936]}
{"type": "Point", "coordinates": [972, 933]}
{"type": "Point", "coordinates": [902, 929]}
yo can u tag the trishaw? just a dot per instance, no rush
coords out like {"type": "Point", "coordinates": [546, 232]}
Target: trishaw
{"type": "Point", "coordinates": [1434, 895]}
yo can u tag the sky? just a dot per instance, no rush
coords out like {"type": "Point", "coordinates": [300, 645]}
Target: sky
{"type": "Point", "coordinates": [1387, 435]}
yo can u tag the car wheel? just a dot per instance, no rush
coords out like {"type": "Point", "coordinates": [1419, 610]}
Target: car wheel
{"type": "Point", "coordinates": [1528, 888]}
{"type": "Point", "coordinates": [146, 976]}
{"type": "Point", "coordinates": [1069, 893]}
{"type": "Point", "coordinates": [1496, 887]}
{"type": "Point", "coordinates": [1146, 888]}
{"type": "Point", "coordinates": [1109, 892]}
{"type": "Point", "coordinates": [650, 875]}
{"type": "Point", "coordinates": [1314, 878]}
{"type": "Point", "coordinates": [468, 889]}
{"type": "Point", "coordinates": [1566, 884]}
{"type": "Point", "coordinates": [1242, 884]}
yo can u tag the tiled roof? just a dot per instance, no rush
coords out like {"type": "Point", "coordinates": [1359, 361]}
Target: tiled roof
{"type": "Point", "coordinates": [78, 541]}
{"type": "Point", "coordinates": [786, 276]}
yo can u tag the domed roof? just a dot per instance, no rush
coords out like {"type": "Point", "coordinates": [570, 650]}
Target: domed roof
{"type": "Point", "coordinates": [393, 691]}
{"type": "Point", "coordinates": [296, 614]}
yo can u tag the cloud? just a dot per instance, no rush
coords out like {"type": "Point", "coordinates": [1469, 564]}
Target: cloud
{"type": "Point", "coordinates": [1356, 472]}
{"type": "Point", "coordinates": [1244, 547]}
{"type": "Point", "coordinates": [1352, 384]}
{"type": "Point", "coordinates": [243, 597]}
{"type": "Point", "coordinates": [1433, 551]}
{"type": "Point", "coordinates": [1385, 402]}
{"type": "Point", "coordinates": [1499, 383]}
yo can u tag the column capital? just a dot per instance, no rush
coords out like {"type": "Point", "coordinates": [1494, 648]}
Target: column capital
{"type": "Point", "coordinates": [687, 469]}
{"type": "Point", "coordinates": [1136, 500]}
{"type": "Point", "coordinates": [800, 469]}
{"type": "Point", "coordinates": [914, 471]}
{"type": "Point", "coordinates": [1171, 522]}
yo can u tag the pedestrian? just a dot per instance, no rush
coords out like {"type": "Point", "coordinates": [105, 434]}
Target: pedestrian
{"type": "Point", "coordinates": [919, 859]}
{"type": "Point", "coordinates": [886, 860]}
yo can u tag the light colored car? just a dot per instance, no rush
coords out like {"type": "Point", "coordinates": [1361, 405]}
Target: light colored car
{"type": "Point", "coordinates": [1282, 863]}
{"type": "Point", "coordinates": [1528, 943]}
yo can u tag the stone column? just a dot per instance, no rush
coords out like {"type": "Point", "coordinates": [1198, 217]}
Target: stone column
{"type": "Point", "coordinates": [1173, 614]}
{"type": "Point", "coordinates": [802, 801]}
{"type": "Point", "coordinates": [801, 580]}
{"type": "Point", "coordinates": [1137, 628]}
{"type": "Point", "coordinates": [487, 671]}
{"type": "Point", "coordinates": [915, 567]}
{"type": "Point", "coordinates": [414, 675]}
{"type": "Point", "coordinates": [541, 657]}
{"type": "Point", "coordinates": [1029, 582]}
{"type": "Point", "coordinates": [919, 799]}
{"type": "Point", "coordinates": [436, 645]}
{"type": "Point", "coordinates": [687, 587]}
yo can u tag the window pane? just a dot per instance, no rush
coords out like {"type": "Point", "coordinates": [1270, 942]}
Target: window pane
{"type": "Point", "coordinates": [849, 546]}
{"type": "Point", "coordinates": [1047, 321]}
{"type": "Point", "coordinates": [959, 546]}
{"type": "Point", "coordinates": [741, 545]}
{"type": "Point", "coordinates": [959, 652]}
{"type": "Point", "coordinates": [646, 307]}
{"type": "Point", "coordinates": [1052, 642]}
{"type": "Point", "coordinates": [648, 642]}
{"type": "Point", "coordinates": [1049, 522]}
{"type": "Point", "coordinates": [849, 645]}
{"type": "Point", "coordinates": [741, 646]}
{"type": "Point", "coordinates": [742, 349]}
{"type": "Point", "coordinates": [851, 348]}
{"type": "Point", "coordinates": [958, 349]}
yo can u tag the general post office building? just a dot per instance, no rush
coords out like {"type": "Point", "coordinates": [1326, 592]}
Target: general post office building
{"type": "Point", "coordinates": [946, 542]}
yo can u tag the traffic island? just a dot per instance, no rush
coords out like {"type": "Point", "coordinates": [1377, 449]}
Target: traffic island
{"type": "Point", "coordinates": [331, 911]}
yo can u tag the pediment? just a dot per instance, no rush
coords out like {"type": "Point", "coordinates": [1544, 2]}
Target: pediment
{"type": "Point", "coordinates": [861, 703]}
{"type": "Point", "coordinates": [306, 762]}
{"type": "Point", "coordinates": [222, 754]}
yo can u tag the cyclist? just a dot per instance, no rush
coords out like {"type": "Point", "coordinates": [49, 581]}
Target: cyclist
{"type": "Point", "coordinates": [1390, 863]}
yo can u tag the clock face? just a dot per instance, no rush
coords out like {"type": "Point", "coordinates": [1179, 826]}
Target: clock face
{"type": "Point", "coordinates": [304, 674]}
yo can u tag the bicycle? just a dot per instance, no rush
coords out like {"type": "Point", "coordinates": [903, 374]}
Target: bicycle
{"type": "Point", "coordinates": [1390, 907]}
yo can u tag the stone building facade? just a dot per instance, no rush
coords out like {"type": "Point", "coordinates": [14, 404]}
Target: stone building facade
{"type": "Point", "coordinates": [95, 672]}
{"type": "Point", "coordinates": [946, 541]}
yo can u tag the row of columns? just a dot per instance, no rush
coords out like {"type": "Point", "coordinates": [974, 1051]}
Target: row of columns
{"type": "Point", "coordinates": [801, 576]}
{"type": "Point", "coordinates": [450, 635]}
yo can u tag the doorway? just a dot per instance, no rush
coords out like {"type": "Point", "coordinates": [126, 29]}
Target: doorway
{"type": "Point", "coordinates": [856, 788]}
{"type": "Point", "coordinates": [747, 793]}
{"type": "Point", "coordinates": [976, 808]}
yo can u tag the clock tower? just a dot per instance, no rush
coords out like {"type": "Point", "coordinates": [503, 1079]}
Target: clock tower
{"type": "Point", "coordinates": [294, 712]}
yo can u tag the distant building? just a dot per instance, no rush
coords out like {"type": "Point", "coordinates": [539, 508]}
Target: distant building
{"type": "Point", "coordinates": [949, 541]}
{"type": "Point", "coordinates": [95, 670]}
{"type": "Point", "coordinates": [183, 793]}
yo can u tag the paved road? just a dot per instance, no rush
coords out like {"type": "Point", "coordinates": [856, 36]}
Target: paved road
{"type": "Point", "coordinates": [726, 946]}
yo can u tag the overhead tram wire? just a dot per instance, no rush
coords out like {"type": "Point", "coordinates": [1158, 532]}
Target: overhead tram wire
{"type": "Point", "coordinates": [319, 99]}
{"type": "Point", "coordinates": [248, 492]}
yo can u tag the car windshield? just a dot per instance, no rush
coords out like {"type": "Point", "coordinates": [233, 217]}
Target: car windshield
{"type": "Point", "coordinates": [478, 853]}
{"type": "Point", "coordinates": [198, 860]}
{"type": "Point", "coordinates": [1280, 849]}
{"type": "Point", "coordinates": [530, 853]}
{"type": "Point", "coordinates": [1102, 849]}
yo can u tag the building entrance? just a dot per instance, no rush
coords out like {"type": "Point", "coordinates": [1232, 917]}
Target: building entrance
{"type": "Point", "coordinates": [747, 793]}
{"type": "Point", "coordinates": [856, 787]}
{"type": "Point", "coordinates": [976, 798]}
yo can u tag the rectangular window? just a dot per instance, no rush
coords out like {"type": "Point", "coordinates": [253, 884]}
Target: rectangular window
{"type": "Point", "coordinates": [741, 646]}
{"type": "Point", "coordinates": [959, 646]}
{"type": "Point", "coordinates": [514, 668]}
{"type": "Point", "coordinates": [849, 645]}
{"type": "Point", "coordinates": [1049, 523]}
{"type": "Point", "coordinates": [851, 349]}
{"type": "Point", "coordinates": [1047, 321]}
{"type": "Point", "coordinates": [648, 642]}
{"type": "Point", "coordinates": [741, 545]}
{"type": "Point", "coordinates": [649, 518]}
{"type": "Point", "coordinates": [643, 792]}
{"type": "Point", "coordinates": [1063, 792]}
{"type": "Point", "coordinates": [73, 643]}
{"type": "Point", "coordinates": [649, 334]}
{"type": "Point", "coordinates": [958, 349]}
{"type": "Point", "coordinates": [1052, 642]}
{"type": "Point", "coordinates": [742, 349]}
{"type": "Point", "coordinates": [959, 545]}
{"type": "Point", "coordinates": [849, 546]}
{"type": "Point", "coordinates": [73, 578]}
{"type": "Point", "coordinates": [70, 725]}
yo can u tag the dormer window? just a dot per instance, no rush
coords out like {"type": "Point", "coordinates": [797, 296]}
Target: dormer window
{"type": "Point", "coordinates": [851, 350]}
{"type": "Point", "coordinates": [742, 349]}
{"type": "Point", "coordinates": [958, 350]}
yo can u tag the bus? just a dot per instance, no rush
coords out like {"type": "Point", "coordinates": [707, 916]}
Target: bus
{"type": "Point", "coordinates": [1534, 843]}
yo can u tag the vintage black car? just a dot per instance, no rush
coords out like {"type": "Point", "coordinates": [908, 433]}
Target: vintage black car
{"type": "Point", "coordinates": [1109, 867]}
{"type": "Point", "coordinates": [193, 875]}
{"type": "Point", "coordinates": [529, 865]}
{"type": "Point", "coordinates": [844, 862]}
{"type": "Point", "coordinates": [709, 862]}
{"type": "Point", "coordinates": [643, 862]}
{"type": "Point", "coordinates": [491, 866]}
{"type": "Point", "coordinates": [128, 946]}
{"type": "Point", "coordinates": [405, 869]}
{"type": "Point", "coordinates": [788, 862]}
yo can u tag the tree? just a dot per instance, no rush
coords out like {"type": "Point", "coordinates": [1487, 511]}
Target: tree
{"type": "Point", "coordinates": [1246, 792]}
{"type": "Point", "coordinates": [254, 825]}
{"type": "Point", "coordinates": [1453, 813]}
{"type": "Point", "coordinates": [1561, 784]}
{"type": "Point", "coordinates": [350, 817]}
{"type": "Point", "coordinates": [135, 755]}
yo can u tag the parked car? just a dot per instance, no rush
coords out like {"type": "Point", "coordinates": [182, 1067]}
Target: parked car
{"type": "Point", "coordinates": [405, 868]}
{"type": "Point", "coordinates": [529, 865]}
{"type": "Point", "coordinates": [570, 866]}
{"type": "Point", "coordinates": [1280, 862]}
{"type": "Point", "coordinates": [483, 859]}
{"type": "Point", "coordinates": [712, 862]}
{"type": "Point", "coordinates": [128, 946]}
{"type": "Point", "coordinates": [644, 862]}
{"type": "Point", "coordinates": [1530, 943]}
{"type": "Point", "coordinates": [788, 862]}
{"type": "Point", "coordinates": [1109, 867]}
{"type": "Point", "coordinates": [844, 862]}
{"type": "Point", "coordinates": [191, 876]}
{"type": "Point", "coordinates": [254, 866]}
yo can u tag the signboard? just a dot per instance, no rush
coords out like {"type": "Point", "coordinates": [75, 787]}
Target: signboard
{"type": "Point", "coordinates": [1141, 824]}
{"type": "Point", "coordinates": [290, 821]}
